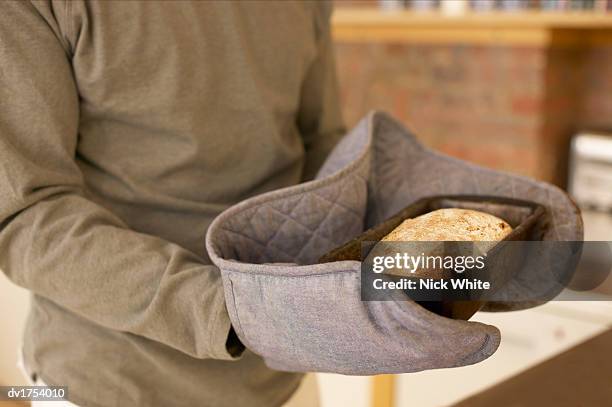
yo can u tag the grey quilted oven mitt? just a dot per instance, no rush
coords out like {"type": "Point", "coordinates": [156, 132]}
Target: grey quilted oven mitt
{"type": "Point", "coordinates": [303, 316]}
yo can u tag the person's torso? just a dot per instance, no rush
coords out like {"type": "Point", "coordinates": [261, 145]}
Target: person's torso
{"type": "Point", "coordinates": [186, 108]}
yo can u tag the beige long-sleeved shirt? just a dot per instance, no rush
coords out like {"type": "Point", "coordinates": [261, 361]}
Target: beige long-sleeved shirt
{"type": "Point", "coordinates": [125, 128]}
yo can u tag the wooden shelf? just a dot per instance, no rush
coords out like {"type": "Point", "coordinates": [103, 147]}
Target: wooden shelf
{"type": "Point", "coordinates": [521, 28]}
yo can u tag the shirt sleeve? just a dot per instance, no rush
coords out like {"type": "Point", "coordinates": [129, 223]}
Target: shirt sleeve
{"type": "Point", "coordinates": [62, 246]}
{"type": "Point", "coordinates": [320, 118]}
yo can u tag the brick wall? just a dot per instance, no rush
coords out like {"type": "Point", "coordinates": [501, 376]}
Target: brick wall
{"type": "Point", "coordinates": [510, 108]}
{"type": "Point", "coordinates": [596, 103]}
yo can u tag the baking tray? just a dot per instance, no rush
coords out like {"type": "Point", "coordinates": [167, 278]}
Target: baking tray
{"type": "Point", "coordinates": [521, 215]}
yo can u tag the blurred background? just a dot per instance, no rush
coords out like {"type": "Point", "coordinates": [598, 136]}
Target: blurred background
{"type": "Point", "coordinates": [523, 86]}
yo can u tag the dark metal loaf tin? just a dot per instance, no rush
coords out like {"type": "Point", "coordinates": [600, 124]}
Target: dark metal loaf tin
{"type": "Point", "coordinates": [521, 215]}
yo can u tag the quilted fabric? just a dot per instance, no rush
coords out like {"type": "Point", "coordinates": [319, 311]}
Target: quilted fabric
{"type": "Point", "coordinates": [408, 172]}
{"type": "Point", "coordinates": [303, 316]}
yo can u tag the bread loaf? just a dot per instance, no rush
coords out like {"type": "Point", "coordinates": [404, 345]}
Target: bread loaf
{"type": "Point", "coordinates": [450, 224]}
{"type": "Point", "coordinates": [443, 225]}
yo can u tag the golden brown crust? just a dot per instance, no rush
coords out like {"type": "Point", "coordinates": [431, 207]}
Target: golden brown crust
{"type": "Point", "coordinates": [451, 224]}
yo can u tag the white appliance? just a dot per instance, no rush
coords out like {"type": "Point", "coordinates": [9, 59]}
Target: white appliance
{"type": "Point", "coordinates": [590, 177]}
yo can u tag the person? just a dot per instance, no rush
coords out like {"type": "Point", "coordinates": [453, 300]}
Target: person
{"type": "Point", "coordinates": [125, 128]}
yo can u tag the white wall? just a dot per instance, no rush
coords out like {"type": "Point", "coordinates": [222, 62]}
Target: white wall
{"type": "Point", "coordinates": [13, 310]}
{"type": "Point", "coordinates": [337, 390]}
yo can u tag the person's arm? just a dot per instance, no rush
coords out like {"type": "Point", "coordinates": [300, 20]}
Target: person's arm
{"type": "Point", "coordinates": [62, 246]}
{"type": "Point", "coordinates": [320, 118]}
